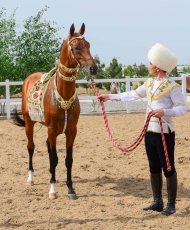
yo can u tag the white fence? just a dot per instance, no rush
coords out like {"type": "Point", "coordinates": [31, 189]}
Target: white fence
{"type": "Point", "coordinates": [7, 103]}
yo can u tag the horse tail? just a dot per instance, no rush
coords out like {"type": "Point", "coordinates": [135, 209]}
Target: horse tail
{"type": "Point", "coordinates": [17, 119]}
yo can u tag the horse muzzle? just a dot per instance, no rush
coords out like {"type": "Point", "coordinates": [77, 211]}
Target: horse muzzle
{"type": "Point", "coordinates": [90, 71]}
{"type": "Point", "coordinates": [93, 69]}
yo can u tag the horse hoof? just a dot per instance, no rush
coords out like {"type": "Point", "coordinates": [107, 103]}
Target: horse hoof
{"type": "Point", "coordinates": [72, 196]}
{"type": "Point", "coordinates": [53, 196]}
{"type": "Point", "coordinates": [29, 183]}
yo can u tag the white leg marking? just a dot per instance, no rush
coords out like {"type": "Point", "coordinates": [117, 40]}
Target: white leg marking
{"type": "Point", "coordinates": [30, 178]}
{"type": "Point", "coordinates": [53, 192]}
{"type": "Point", "coordinates": [52, 188]}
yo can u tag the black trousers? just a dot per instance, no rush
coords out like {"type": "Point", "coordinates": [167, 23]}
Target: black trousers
{"type": "Point", "coordinates": [155, 152]}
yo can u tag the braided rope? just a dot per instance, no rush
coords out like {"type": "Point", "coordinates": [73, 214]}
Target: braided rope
{"type": "Point", "coordinates": [165, 146]}
{"type": "Point", "coordinates": [133, 146]}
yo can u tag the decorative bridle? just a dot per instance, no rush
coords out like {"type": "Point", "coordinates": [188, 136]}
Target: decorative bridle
{"type": "Point", "coordinates": [74, 70]}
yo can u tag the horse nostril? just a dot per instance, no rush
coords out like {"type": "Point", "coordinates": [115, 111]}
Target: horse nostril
{"type": "Point", "coordinates": [93, 69]}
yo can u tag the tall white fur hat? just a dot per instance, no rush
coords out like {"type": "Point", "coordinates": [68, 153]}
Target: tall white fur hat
{"type": "Point", "coordinates": [162, 57]}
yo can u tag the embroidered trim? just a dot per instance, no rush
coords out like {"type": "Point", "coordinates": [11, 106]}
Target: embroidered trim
{"type": "Point", "coordinates": [66, 69]}
{"type": "Point", "coordinates": [36, 96]}
{"type": "Point", "coordinates": [166, 91]}
{"type": "Point", "coordinates": [60, 102]}
{"type": "Point", "coordinates": [165, 87]}
{"type": "Point", "coordinates": [63, 77]}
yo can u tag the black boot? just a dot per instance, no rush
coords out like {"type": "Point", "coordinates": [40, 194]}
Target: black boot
{"type": "Point", "coordinates": [156, 183]}
{"type": "Point", "coordinates": [172, 192]}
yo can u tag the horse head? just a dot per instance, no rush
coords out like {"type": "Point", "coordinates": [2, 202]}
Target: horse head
{"type": "Point", "coordinates": [78, 50]}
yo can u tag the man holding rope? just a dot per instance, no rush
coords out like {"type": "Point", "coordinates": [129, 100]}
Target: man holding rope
{"type": "Point", "coordinates": [165, 100]}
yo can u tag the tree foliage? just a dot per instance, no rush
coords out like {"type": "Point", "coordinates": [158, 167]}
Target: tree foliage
{"type": "Point", "coordinates": [129, 71]}
{"type": "Point", "coordinates": [114, 70]}
{"type": "Point", "coordinates": [101, 71]}
{"type": "Point", "coordinates": [186, 69]}
{"type": "Point", "coordinates": [140, 71]}
{"type": "Point", "coordinates": [7, 44]}
{"type": "Point", "coordinates": [34, 49]}
{"type": "Point", "coordinates": [37, 47]}
{"type": "Point", "coordinates": [174, 73]}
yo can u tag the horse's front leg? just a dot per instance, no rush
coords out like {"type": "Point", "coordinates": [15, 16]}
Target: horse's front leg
{"type": "Point", "coordinates": [53, 159]}
{"type": "Point", "coordinates": [70, 137]}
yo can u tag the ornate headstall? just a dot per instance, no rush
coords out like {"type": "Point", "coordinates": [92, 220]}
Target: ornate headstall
{"type": "Point", "coordinates": [72, 71]}
{"type": "Point", "coordinates": [70, 47]}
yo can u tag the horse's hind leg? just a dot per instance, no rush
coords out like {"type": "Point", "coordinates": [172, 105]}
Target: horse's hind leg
{"type": "Point", "coordinates": [70, 137]}
{"type": "Point", "coordinates": [53, 158]}
{"type": "Point", "coordinates": [29, 129]}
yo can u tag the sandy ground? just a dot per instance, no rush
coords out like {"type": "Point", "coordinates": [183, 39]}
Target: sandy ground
{"type": "Point", "coordinates": [112, 187]}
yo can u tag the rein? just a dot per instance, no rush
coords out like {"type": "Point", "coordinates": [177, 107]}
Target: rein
{"type": "Point", "coordinates": [133, 146]}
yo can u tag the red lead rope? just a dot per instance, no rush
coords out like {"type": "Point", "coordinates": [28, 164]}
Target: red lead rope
{"type": "Point", "coordinates": [139, 139]}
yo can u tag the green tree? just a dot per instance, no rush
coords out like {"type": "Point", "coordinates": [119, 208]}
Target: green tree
{"type": "Point", "coordinates": [174, 73]}
{"type": "Point", "coordinates": [129, 71]}
{"type": "Point", "coordinates": [186, 69]}
{"type": "Point", "coordinates": [142, 71]}
{"type": "Point", "coordinates": [114, 70]}
{"type": "Point", "coordinates": [101, 71]}
{"type": "Point", "coordinates": [37, 47]}
{"type": "Point", "coordinates": [7, 42]}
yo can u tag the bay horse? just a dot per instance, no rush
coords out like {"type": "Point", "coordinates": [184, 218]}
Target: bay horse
{"type": "Point", "coordinates": [61, 106]}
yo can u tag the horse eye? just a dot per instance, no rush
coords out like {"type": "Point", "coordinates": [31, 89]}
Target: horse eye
{"type": "Point", "coordinates": [77, 48]}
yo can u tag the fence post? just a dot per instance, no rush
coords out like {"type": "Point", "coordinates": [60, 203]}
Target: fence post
{"type": "Point", "coordinates": [8, 99]}
{"type": "Point", "coordinates": [128, 84]}
{"type": "Point", "coordinates": [184, 86]}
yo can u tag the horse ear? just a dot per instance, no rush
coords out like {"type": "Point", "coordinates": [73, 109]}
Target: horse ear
{"type": "Point", "coordinates": [82, 29]}
{"type": "Point", "coordinates": [72, 29]}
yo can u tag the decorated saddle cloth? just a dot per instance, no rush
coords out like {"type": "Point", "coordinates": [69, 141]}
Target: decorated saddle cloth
{"type": "Point", "coordinates": [36, 96]}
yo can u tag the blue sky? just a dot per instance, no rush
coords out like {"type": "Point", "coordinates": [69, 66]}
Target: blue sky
{"type": "Point", "coordinates": [125, 29]}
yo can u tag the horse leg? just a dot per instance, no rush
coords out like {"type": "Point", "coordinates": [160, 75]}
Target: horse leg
{"type": "Point", "coordinates": [53, 158]}
{"type": "Point", "coordinates": [29, 129]}
{"type": "Point", "coordinates": [69, 162]}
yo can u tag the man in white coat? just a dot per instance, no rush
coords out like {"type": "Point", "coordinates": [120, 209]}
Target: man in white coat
{"type": "Point", "coordinates": [165, 100]}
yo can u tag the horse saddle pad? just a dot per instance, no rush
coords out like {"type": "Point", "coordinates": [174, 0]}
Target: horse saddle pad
{"type": "Point", "coordinates": [36, 96]}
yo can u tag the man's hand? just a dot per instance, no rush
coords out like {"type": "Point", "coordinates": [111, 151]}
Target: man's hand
{"type": "Point", "coordinates": [158, 113]}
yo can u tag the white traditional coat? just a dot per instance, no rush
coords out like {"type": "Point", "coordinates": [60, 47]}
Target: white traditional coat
{"type": "Point", "coordinates": [162, 94]}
